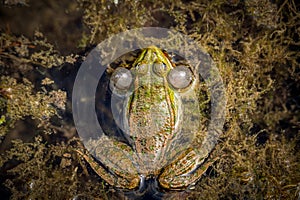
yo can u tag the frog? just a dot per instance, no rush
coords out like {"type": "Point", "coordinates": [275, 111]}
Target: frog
{"type": "Point", "coordinates": [153, 121]}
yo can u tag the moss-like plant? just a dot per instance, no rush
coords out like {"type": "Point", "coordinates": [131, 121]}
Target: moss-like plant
{"type": "Point", "coordinates": [256, 49]}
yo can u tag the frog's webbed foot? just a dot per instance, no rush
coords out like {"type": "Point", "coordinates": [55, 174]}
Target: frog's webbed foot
{"type": "Point", "coordinates": [186, 170]}
{"type": "Point", "coordinates": [130, 182]}
{"type": "Point", "coordinates": [114, 164]}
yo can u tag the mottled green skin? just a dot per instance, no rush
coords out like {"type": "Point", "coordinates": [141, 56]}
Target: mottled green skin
{"type": "Point", "coordinates": [152, 118]}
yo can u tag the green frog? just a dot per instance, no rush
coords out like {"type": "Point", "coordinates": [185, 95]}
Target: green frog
{"type": "Point", "coordinates": [160, 143]}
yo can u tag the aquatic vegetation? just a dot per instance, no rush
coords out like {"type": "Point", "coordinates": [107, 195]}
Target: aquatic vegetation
{"type": "Point", "coordinates": [256, 49]}
{"type": "Point", "coordinates": [19, 96]}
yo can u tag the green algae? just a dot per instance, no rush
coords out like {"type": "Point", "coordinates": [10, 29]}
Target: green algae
{"type": "Point", "coordinates": [256, 49]}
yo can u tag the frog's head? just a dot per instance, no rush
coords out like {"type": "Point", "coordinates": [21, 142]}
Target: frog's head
{"type": "Point", "coordinates": [153, 66]}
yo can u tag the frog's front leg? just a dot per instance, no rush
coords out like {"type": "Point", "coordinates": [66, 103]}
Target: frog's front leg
{"type": "Point", "coordinates": [115, 164]}
{"type": "Point", "coordinates": [185, 170]}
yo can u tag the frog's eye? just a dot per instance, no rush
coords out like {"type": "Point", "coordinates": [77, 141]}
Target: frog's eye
{"type": "Point", "coordinates": [180, 77]}
{"type": "Point", "coordinates": [142, 69]}
{"type": "Point", "coordinates": [159, 69]}
{"type": "Point", "coordinates": [120, 80]}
